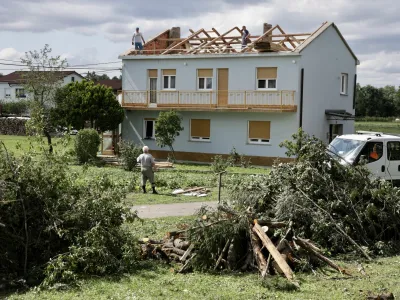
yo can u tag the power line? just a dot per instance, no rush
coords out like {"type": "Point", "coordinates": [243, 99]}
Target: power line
{"type": "Point", "coordinates": [69, 66]}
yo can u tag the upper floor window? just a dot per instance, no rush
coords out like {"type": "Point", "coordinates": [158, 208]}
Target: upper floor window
{"type": "Point", "coordinates": [344, 84]}
{"type": "Point", "coordinates": [72, 79]}
{"type": "Point", "coordinates": [7, 93]}
{"type": "Point", "coordinates": [169, 77]}
{"type": "Point", "coordinates": [204, 79]}
{"type": "Point", "coordinates": [266, 78]}
{"type": "Point", "coordinates": [20, 93]}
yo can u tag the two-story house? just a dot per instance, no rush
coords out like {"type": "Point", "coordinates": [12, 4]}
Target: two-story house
{"type": "Point", "coordinates": [12, 88]}
{"type": "Point", "coordinates": [251, 97]}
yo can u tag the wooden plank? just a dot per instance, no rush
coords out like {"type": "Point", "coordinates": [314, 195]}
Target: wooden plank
{"type": "Point", "coordinates": [182, 42]}
{"type": "Point", "coordinates": [187, 253]}
{"type": "Point", "coordinates": [224, 40]}
{"type": "Point", "coordinates": [260, 38]}
{"type": "Point", "coordinates": [260, 259]}
{"type": "Point", "coordinates": [274, 252]}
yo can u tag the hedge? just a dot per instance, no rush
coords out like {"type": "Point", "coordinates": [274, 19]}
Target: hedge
{"type": "Point", "coordinates": [12, 126]}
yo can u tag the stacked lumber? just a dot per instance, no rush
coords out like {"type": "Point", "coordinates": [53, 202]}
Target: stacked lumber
{"type": "Point", "coordinates": [268, 252]}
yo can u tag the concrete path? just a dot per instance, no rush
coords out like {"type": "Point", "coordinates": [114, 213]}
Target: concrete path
{"type": "Point", "coordinates": [170, 210]}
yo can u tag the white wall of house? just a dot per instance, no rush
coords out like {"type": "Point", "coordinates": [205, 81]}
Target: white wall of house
{"type": "Point", "coordinates": [227, 130]}
{"type": "Point", "coordinates": [324, 60]}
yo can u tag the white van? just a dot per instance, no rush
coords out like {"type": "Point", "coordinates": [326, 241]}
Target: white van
{"type": "Point", "coordinates": [381, 151]}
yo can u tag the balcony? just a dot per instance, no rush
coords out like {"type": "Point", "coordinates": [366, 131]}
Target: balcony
{"type": "Point", "coordinates": [279, 101]}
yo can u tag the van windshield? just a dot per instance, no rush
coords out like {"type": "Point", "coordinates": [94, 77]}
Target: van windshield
{"type": "Point", "coordinates": [346, 148]}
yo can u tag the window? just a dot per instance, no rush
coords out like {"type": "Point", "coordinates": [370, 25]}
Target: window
{"type": "Point", "coordinates": [20, 93]}
{"type": "Point", "coordinates": [372, 151]}
{"type": "Point", "coordinates": [259, 132]}
{"type": "Point", "coordinates": [344, 84]}
{"type": "Point", "coordinates": [200, 129]}
{"type": "Point", "coordinates": [393, 150]}
{"type": "Point", "coordinates": [149, 128]}
{"type": "Point", "coordinates": [266, 78]}
{"type": "Point", "coordinates": [7, 93]}
{"type": "Point", "coordinates": [169, 77]}
{"type": "Point", "coordinates": [72, 79]}
{"type": "Point", "coordinates": [205, 77]}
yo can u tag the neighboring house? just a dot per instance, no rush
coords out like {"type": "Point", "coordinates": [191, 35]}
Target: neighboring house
{"type": "Point", "coordinates": [115, 84]}
{"type": "Point", "coordinates": [250, 98]}
{"type": "Point", "coordinates": [12, 89]}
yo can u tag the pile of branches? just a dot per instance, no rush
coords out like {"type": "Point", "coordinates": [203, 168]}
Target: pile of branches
{"type": "Point", "coordinates": [226, 239]}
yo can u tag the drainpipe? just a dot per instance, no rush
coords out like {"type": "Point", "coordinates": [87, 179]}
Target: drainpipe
{"type": "Point", "coordinates": [301, 97]}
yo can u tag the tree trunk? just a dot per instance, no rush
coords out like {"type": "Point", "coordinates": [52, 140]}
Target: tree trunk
{"type": "Point", "coordinates": [48, 136]}
{"type": "Point", "coordinates": [173, 152]}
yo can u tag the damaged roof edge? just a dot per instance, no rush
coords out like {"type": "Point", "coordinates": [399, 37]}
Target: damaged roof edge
{"type": "Point", "coordinates": [317, 33]}
{"type": "Point", "coordinates": [226, 55]}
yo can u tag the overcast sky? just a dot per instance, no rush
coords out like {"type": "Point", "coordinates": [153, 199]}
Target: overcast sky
{"type": "Point", "coordinates": [94, 31]}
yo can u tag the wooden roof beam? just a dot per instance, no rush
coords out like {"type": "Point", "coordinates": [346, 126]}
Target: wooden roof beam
{"type": "Point", "coordinates": [183, 42]}
{"type": "Point", "coordinates": [260, 38]}
{"type": "Point", "coordinates": [214, 40]}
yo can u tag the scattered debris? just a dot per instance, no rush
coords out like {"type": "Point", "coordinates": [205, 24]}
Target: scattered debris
{"type": "Point", "coordinates": [196, 192]}
{"type": "Point", "coordinates": [386, 296]}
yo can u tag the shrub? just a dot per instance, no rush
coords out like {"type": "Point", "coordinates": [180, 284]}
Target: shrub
{"type": "Point", "coordinates": [128, 153]}
{"type": "Point", "coordinates": [18, 108]}
{"type": "Point", "coordinates": [87, 144]}
{"type": "Point", "coordinates": [219, 164]}
{"type": "Point", "coordinates": [12, 126]}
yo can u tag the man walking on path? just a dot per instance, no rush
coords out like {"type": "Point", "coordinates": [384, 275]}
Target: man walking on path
{"type": "Point", "coordinates": [137, 40]}
{"type": "Point", "coordinates": [147, 164]}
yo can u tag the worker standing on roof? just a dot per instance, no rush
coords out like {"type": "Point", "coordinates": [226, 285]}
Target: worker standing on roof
{"type": "Point", "coordinates": [147, 164]}
{"type": "Point", "coordinates": [245, 37]}
{"type": "Point", "coordinates": [137, 40]}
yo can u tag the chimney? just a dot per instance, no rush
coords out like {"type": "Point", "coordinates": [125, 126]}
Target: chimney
{"type": "Point", "coordinates": [174, 33]}
{"type": "Point", "coordinates": [268, 38]}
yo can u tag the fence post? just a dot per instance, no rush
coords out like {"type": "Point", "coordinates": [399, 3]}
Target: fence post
{"type": "Point", "coordinates": [219, 186]}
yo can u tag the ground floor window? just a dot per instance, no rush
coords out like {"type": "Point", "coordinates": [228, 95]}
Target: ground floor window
{"type": "Point", "coordinates": [200, 129]}
{"type": "Point", "coordinates": [259, 132]}
{"type": "Point", "coordinates": [149, 128]}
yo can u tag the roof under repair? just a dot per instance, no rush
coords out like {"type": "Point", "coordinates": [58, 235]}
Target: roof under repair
{"type": "Point", "coordinates": [274, 39]}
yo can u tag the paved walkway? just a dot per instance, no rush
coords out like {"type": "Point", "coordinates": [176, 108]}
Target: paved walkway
{"type": "Point", "coordinates": [170, 210]}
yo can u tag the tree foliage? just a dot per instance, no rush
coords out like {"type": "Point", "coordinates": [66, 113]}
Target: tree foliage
{"type": "Point", "coordinates": [41, 83]}
{"type": "Point", "coordinates": [168, 127]}
{"type": "Point", "coordinates": [80, 102]}
{"type": "Point", "coordinates": [377, 102]}
{"type": "Point", "coordinates": [87, 144]}
{"type": "Point", "coordinates": [128, 153]}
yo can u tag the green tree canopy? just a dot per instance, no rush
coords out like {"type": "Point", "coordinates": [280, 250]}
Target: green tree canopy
{"type": "Point", "coordinates": [168, 127]}
{"type": "Point", "coordinates": [377, 102]}
{"type": "Point", "coordinates": [84, 101]}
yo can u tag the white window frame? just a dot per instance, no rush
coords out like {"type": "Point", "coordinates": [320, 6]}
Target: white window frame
{"type": "Point", "coordinates": [17, 94]}
{"type": "Point", "coordinates": [256, 141]}
{"type": "Point", "coordinates": [266, 84]}
{"type": "Point", "coordinates": [344, 84]}
{"type": "Point", "coordinates": [199, 138]}
{"type": "Point", "coordinates": [153, 137]}
{"type": "Point", "coordinates": [5, 93]}
{"type": "Point", "coordinates": [169, 83]}
{"type": "Point", "coordinates": [205, 84]}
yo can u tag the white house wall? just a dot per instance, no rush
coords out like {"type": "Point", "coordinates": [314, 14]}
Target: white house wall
{"type": "Point", "coordinates": [323, 61]}
{"type": "Point", "coordinates": [227, 130]}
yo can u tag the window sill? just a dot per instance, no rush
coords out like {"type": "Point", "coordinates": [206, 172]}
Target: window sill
{"type": "Point", "coordinates": [171, 90]}
{"type": "Point", "coordinates": [342, 94]}
{"type": "Point", "coordinates": [259, 144]}
{"type": "Point", "coordinates": [199, 141]}
{"type": "Point", "coordinates": [267, 90]}
{"type": "Point", "coordinates": [149, 139]}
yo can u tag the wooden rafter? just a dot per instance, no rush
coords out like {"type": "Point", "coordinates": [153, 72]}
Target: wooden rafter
{"type": "Point", "coordinates": [259, 39]}
{"type": "Point", "coordinates": [214, 40]}
{"type": "Point", "coordinates": [229, 47]}
{"type": "Point", "coordinates": [183, 42]}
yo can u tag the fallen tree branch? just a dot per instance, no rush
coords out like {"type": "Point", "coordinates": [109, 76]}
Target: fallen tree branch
{"type": "Point", "coordinates": [222, 254]}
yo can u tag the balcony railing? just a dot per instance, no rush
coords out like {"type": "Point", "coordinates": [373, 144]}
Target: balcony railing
{"type": "Point", "coordinates": [269, 100]}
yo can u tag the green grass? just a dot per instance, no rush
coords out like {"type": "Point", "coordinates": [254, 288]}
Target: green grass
{"type": "Point", "coordinates": [386, 127]}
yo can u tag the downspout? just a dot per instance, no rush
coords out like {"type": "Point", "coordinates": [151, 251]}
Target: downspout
{"type": "Point", "coordinates": [301, 97]}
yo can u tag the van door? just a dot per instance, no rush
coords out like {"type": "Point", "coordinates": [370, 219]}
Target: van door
{"type": "Point", "coordinates": [393, 160]}
{"type": "Point", "coordinates": [376, 160]}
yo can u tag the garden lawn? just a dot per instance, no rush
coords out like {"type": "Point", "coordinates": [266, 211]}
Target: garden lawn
{"type": "Point", "coordinates": [386, 127]}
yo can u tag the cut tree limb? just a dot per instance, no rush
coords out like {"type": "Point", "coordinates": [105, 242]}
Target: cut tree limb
{"type": "Point", "coordinates": [260, 259]}
{"type": "Point", "coordinates": [222, 254]}
{"type": "Point", "coordinates": [187, 252]}
{"type": "Point", "coordinates": [274, 252]}
{"type": "Point", "coordinates": [186, 264]}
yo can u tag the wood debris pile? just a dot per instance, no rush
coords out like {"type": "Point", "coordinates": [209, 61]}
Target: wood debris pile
{"type": "Point", "coordinates": [264, 245]}
{"type": "Point", "coordinates": [195, 191]}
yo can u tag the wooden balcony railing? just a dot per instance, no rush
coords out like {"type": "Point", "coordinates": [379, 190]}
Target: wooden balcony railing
{"type": "Point", "coordinates": [268, 100]}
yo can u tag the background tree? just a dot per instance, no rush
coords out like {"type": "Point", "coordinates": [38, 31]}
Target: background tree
{"type": "Point", "coordinates": [92, 76]}
{"type": "Point", "coordinates": [81, 102]}
{"type": "Point", "coordinates": [168, 127]}
{"type": "Point", "coordinates": [377, 102]}
{"type": "Point", "coordinates": [41, 83]}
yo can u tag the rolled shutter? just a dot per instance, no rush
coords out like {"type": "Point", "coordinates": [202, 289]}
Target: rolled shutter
{"type": "Point", "coordinates": [267, 73]}
{"type": "Point", "coordinates": [260, 130]}
{"type": "Point", "coordinates": [169, 72]}
{"type": "Point", "coordinates": [153, 73]}
{"type": "Point", "coordinates": [205, 72]}
{"type": "Point", "coordinates": [200, 128]}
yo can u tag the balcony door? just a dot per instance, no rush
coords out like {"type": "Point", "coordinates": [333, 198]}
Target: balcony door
{"type": "Point", "coordinates": [222, 87]}
{"type": "Point", "coordinates": [153, 89]}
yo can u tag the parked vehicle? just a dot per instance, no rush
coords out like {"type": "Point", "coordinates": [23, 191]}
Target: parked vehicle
{"type": "Point", "coordinates": [380, 151]}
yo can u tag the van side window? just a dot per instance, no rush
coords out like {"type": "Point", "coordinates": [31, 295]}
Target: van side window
{"type": "Point", "coordinates": [372, 151]}
{"type": "Point", "coordinates": [393, 150]}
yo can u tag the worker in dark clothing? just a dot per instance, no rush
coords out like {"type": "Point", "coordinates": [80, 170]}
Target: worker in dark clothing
{"type": "Point", "coordinates": [245, 37]}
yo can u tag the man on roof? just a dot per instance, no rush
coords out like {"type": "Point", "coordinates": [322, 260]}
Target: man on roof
{"type": "Point", "coordinates": [137, 40]}
{"type": "Point", "coordinates": [245, 37]}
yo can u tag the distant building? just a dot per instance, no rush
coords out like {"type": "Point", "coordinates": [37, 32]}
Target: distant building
{"type": "Point", "coordinates": [115, 84]}
{"type": "Point", "coordinates": [12, 89]}
{"type": "Point", "coordinates": [250, 98]}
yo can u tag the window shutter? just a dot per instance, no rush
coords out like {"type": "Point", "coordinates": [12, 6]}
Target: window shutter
{"type": "Point", "coordinates": [267, 73]}
{"type": "Point", "coordinates": [169, 72]}
{"type": "Point", "coordinates": [259, 130]}
{"type": "Point", "coordinates": [205, 73]}
{"type": "Point", "coordinates": [200, 128]}
{"type": "Point", "coordinates": [153, 73]}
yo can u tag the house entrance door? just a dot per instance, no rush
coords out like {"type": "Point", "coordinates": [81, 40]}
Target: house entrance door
{"type": "Point", "coordinates": [334, 131]}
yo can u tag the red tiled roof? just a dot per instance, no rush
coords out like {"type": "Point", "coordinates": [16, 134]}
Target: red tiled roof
{"type": "Point", "coordinates": [16, 77]}
{"type": "Point", "coordinates": [115, 84]}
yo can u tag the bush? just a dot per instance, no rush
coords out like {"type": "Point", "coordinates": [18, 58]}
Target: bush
{"type": "Point", "coordinates": [58, 226]}
{"type": "Point", "coordinates": [128, 152]}
{"type": "Point", "coordinates": [219, 164]}
{"type": "Point", "coordinates": [18, 108]}
{"type": "Point", "coordinates": [12, 126]}
{"type": "Point", "coordinates": [87, 144]}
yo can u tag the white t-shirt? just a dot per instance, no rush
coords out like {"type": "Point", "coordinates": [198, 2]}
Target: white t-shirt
{"type": "Point", "coordinates": [137, 37]}
{"type": "Point", "coordinates": [145, 160]}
